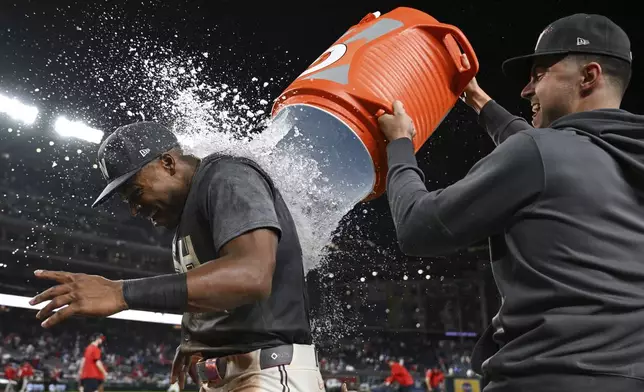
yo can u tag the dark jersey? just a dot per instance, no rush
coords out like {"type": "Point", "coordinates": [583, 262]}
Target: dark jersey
{"type": "Point", "coordinates": [564, 209]}
{"type": "Point", "coordinates": [229, 197]}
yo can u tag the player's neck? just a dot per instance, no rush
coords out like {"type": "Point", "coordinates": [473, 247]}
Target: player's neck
{"type": "Point", "coordinates": [192, 163]}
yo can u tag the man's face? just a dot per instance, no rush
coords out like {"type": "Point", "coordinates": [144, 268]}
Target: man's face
{"type": "Point", "coordinates": [157, 192]}
{"type": "Point", "coordinates": [553, 90]}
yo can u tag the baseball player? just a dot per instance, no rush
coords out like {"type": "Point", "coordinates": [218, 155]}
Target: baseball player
{"type": "Point", "coordinates": [562, 204]}
{"type": "Point", "coordinates": [239, 274]}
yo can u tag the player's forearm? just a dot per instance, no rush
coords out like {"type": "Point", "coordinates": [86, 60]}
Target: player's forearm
{"type": "Point", "coordinates": [499, 123]}
{"type": "Point", "coordinates": [100, 367]}
{"type": "Point", "coordinates": [80, 367]}
{"type": "Point", "coordinates": [227, 283]}
{"type": "Point", "coordinates": [224, 283]}
{"type": "Point", "coordinates": [418, 231]}
{"type": "Point", "coordinates": [478, 100]}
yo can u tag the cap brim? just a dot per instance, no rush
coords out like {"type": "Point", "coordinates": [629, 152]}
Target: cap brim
{"type": "Point", "coordinates": [113, 186]}
{"type": "Point", "coordinates": [519, 68]}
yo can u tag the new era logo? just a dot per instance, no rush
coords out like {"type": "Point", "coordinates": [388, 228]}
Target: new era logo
{"type": "Point", "coordinates": [144, 152]}
{"type": "Point", "coordinates": [582, 41]}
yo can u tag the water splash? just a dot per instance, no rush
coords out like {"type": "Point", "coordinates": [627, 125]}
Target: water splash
{"type": "Point", "coordinates": [146, 79]}
{"type": "Point", "coordinates": [210, 117]}
{"type": "Point", "coordinates": [216, 116]}
{"type": "Point", "coordinates": [316, 209]}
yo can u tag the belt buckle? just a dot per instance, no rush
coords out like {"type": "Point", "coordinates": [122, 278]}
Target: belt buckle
{"type": "Point", "coordinates": [276, 356]}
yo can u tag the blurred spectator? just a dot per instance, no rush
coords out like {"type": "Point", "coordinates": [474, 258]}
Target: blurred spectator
{"type": "Point", "coordinates": [11, 374]}
{"type": "Point", "coordinates": [434, 378]}
{"type": "Point", "coordinates": [400, 375]}
{"type": "Point", "coordinates": [25, 375]}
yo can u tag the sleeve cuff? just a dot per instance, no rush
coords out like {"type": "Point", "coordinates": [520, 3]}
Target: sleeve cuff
{"type": "Point", "coordinates": [401, 151]}
{"type": "Point", "coordinates": [492, 115]}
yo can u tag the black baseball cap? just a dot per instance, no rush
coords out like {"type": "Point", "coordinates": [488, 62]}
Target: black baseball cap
{"type": "Point", "coordinates": [578, 33]}
{"type": "Point", "coordinates": [123, 153]}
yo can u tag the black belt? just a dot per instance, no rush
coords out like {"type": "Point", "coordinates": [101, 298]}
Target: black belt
{"type": "Point", "coordinates": [214, 369]}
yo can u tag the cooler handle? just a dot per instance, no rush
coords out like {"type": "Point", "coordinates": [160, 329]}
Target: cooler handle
{"type": "Point", "coordinates": [467, 74]}
{"type": "Point", "coordinates": [455, 33]}
{"type": "Point", "coordinates": [381, 108]}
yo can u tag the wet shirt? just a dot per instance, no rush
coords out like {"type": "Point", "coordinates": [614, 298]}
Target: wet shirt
{"type": "Point", "coordinates": [229, 197]}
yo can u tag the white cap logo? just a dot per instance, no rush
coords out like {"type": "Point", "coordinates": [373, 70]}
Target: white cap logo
{"type": "Point", "coordinates": [582, 41]}
{"type": "Point", "coordinates": [144, 152]}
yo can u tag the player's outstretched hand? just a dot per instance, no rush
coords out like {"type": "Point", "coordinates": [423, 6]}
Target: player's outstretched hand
{"type": "Point", "coordinates": [79, 294]}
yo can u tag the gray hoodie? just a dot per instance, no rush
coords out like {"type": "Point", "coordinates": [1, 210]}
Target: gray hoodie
{"type": "Point", "coordinates": [564, 210]}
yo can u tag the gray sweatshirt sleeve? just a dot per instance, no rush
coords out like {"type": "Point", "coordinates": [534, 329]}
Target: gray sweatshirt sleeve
{"type": "Point", "coordinates": [478, 206]}
{"type": "Point", "coordinates": [499, 123]}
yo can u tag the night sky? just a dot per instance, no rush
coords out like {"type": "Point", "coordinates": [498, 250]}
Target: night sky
{"type": "Point", "coordinates": [93, 61]}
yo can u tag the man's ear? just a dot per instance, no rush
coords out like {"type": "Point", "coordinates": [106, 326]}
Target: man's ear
{"type": "Point", "coordinates": [591, 74]}
{"type": "Point", "coordinates": [169, 163]}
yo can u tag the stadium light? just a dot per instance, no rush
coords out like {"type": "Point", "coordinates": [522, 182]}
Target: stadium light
{"type": "Point", "coordinates": [78, 130]}
{"type": "Point", "coordinates": [16, 301]}
{"type": "Point", "coordinates": [17, 110]}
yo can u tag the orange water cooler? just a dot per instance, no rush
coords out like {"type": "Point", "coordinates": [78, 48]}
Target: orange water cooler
{"type": "Point", "coordinates": [332, 106]}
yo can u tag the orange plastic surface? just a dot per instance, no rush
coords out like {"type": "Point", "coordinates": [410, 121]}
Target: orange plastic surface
{"type": "Point", "coordinates": [418, 63]}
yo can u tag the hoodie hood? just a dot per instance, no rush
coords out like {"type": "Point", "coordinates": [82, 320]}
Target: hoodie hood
{"type": "Point", "coordinates": [618, 132]}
